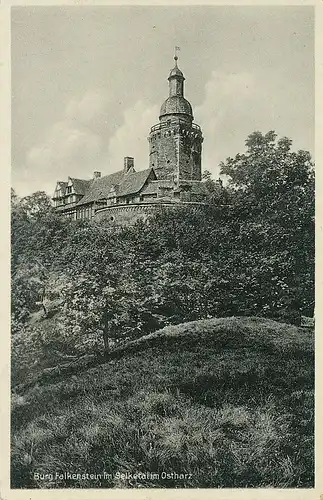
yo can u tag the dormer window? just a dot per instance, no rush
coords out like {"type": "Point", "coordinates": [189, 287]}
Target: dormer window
{"type": "Point", "coordinates": [69, 189]}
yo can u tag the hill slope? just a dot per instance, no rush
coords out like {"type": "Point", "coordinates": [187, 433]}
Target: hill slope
{"type": "Point", "coordinates": [211, 403]}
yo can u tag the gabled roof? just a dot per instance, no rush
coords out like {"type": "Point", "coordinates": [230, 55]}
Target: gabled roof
{"type": "Point", "coordinates": [80, 185]}
{"type": "Point", "coordinates": [150, 188]}
{"type": "Point", "coordinates": [133, 182]}
{"type": "Point", "coordinates": [62, 185]}
{"type": "Point", "coordinates": [99, 188]}
{"type": "Point", "coordinates": [123, 183]}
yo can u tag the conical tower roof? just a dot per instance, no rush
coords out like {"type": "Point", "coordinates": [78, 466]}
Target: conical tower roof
{"type": "Point", "coordinates": [176, 104]}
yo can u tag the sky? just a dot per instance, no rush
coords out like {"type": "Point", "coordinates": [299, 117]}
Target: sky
{"type": "Point", "coordinates": [88, 83]}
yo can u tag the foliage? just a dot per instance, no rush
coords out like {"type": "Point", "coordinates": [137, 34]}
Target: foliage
{"type": "Point", "coordinates": [273, 203]}
{"type": "Point", "coordinates": [218, 195]}
{"type": "Point", "coordinates": [233, 393]}
{"type": "Point", "coordinates": [36, 205]}
{"type": "Point", "coordinates": [27, 283]}
{"type": "Point", "coordinates": [238, 415]}
{"type": "Point", "coordinates": [250, 252]}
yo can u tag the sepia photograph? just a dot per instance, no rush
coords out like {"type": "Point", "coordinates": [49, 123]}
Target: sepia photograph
{"type": "Point", "coordinates": [162, 247]}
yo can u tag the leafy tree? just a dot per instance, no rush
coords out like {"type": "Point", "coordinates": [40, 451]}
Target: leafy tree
{"type": "Point", "coordinates": [273, 204]}
{"type": "Point", "coordinates": [218, 195]}
{"type": "Point", "coordinates": [249, 252]}
{"type": "Point", "coordinates": [27, 291]}
{"type": "Point", "coordinates": [36, 205]}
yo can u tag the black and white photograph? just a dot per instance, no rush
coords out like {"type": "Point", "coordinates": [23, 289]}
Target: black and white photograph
{"type": "Point", "coordinates": [162, 247]}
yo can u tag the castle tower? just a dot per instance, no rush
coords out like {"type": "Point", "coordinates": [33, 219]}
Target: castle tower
{"type": "Point", "coordinates": [175, 143]}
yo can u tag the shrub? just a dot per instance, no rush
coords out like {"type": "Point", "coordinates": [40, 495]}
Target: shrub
{"type": "Point", "coordinates": [226, 414]}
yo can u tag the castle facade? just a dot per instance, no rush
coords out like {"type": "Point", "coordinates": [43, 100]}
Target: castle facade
{"type": "Point", "coordinates": [173, 177]}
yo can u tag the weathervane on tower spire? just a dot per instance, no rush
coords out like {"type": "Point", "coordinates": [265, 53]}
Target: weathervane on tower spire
{"type": "Point", "coordinates": [177, 49]}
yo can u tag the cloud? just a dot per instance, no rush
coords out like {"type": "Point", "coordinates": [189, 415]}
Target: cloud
{"type": "Point", "coordinates": [73, 145]}
{"type": "Point", "coordinates": [78, 144]}
{"type": "Point", "coordinates": [233, 106]}
{"type": "Point", "coordinates": [65, 147]}
{"type": "Point", "coordinates": [130, 139]}
{"type": "Point", "coordinates": [89, 110]}
{"type": "Point", "coordinates": [224, 115]}
{"type": "Point", "coordinates": [24, 184]}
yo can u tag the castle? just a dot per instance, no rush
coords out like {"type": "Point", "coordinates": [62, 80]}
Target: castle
{"type": "Point", "coordinates": [173, 177]}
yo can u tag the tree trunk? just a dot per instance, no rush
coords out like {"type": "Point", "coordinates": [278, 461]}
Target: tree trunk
{"type": "Point", "coordinates": [106, 341]}
{"type": "Point", "coordinates": [43, 294]}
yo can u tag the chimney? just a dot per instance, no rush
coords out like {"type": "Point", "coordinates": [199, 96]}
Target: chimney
{"type": "Point", "coordinates": [128, 163]}
{"type": "Point", "coordinates": [96, 175]}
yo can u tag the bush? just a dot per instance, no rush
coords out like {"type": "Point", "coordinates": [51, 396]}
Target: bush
{"type": "Point", "coordinates": [226, 414]}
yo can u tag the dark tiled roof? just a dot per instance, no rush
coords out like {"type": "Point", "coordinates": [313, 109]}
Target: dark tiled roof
{"type": "Point", "coordinates": [176, 72]}
{"type": "Point", "coordinates": [133, 182]}
{"type": "Point", "coordinates": [176, 105]}
{"type": "Point", "coordinates": [150, 188]}
{"type": "Point", "coordinates": [81, 185]}
{"type": "Point", "coordinates": [100, 188]}
{"type": "Point", "coordinates": [123, 183]}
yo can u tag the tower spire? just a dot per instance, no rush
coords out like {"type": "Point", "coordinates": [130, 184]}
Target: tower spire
{"type": "Point", "coordinates": [175, 144]}
{"type": "Point", "coordinates": [177, 49]}
{"type": "Point", "coordinates": [176, 79]}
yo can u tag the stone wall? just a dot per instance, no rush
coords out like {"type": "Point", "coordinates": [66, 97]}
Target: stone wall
{"type": "Point", "coordinates": [163, 152]}
{"type": "Point", "coordinates": [175, 151]}
{"type": "Point", "coordinates": [189, 152]}
{"type": "Point", "coordinates": [127, 215]}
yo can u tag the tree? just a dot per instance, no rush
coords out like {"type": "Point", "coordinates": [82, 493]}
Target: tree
{"type": "Point", "coordinates": [273, 204]}
{"type": "Point", "coordinates": [218, 194]}
{"type": "Point", "coordinates": [250, 255]}
{"type": "Point", "coordinates": [37, 204]}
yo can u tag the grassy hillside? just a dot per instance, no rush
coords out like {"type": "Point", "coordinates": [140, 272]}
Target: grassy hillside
{"type": "Point", "coordinates": [220, 402]}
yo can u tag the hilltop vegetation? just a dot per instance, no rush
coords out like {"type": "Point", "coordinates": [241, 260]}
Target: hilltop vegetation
{"type": "Point", "coordinates": [228, 402]}
{"type": "Point", "coordinates": [251, 252]}
{"type": "Point", "coordinates": [81, 290]}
